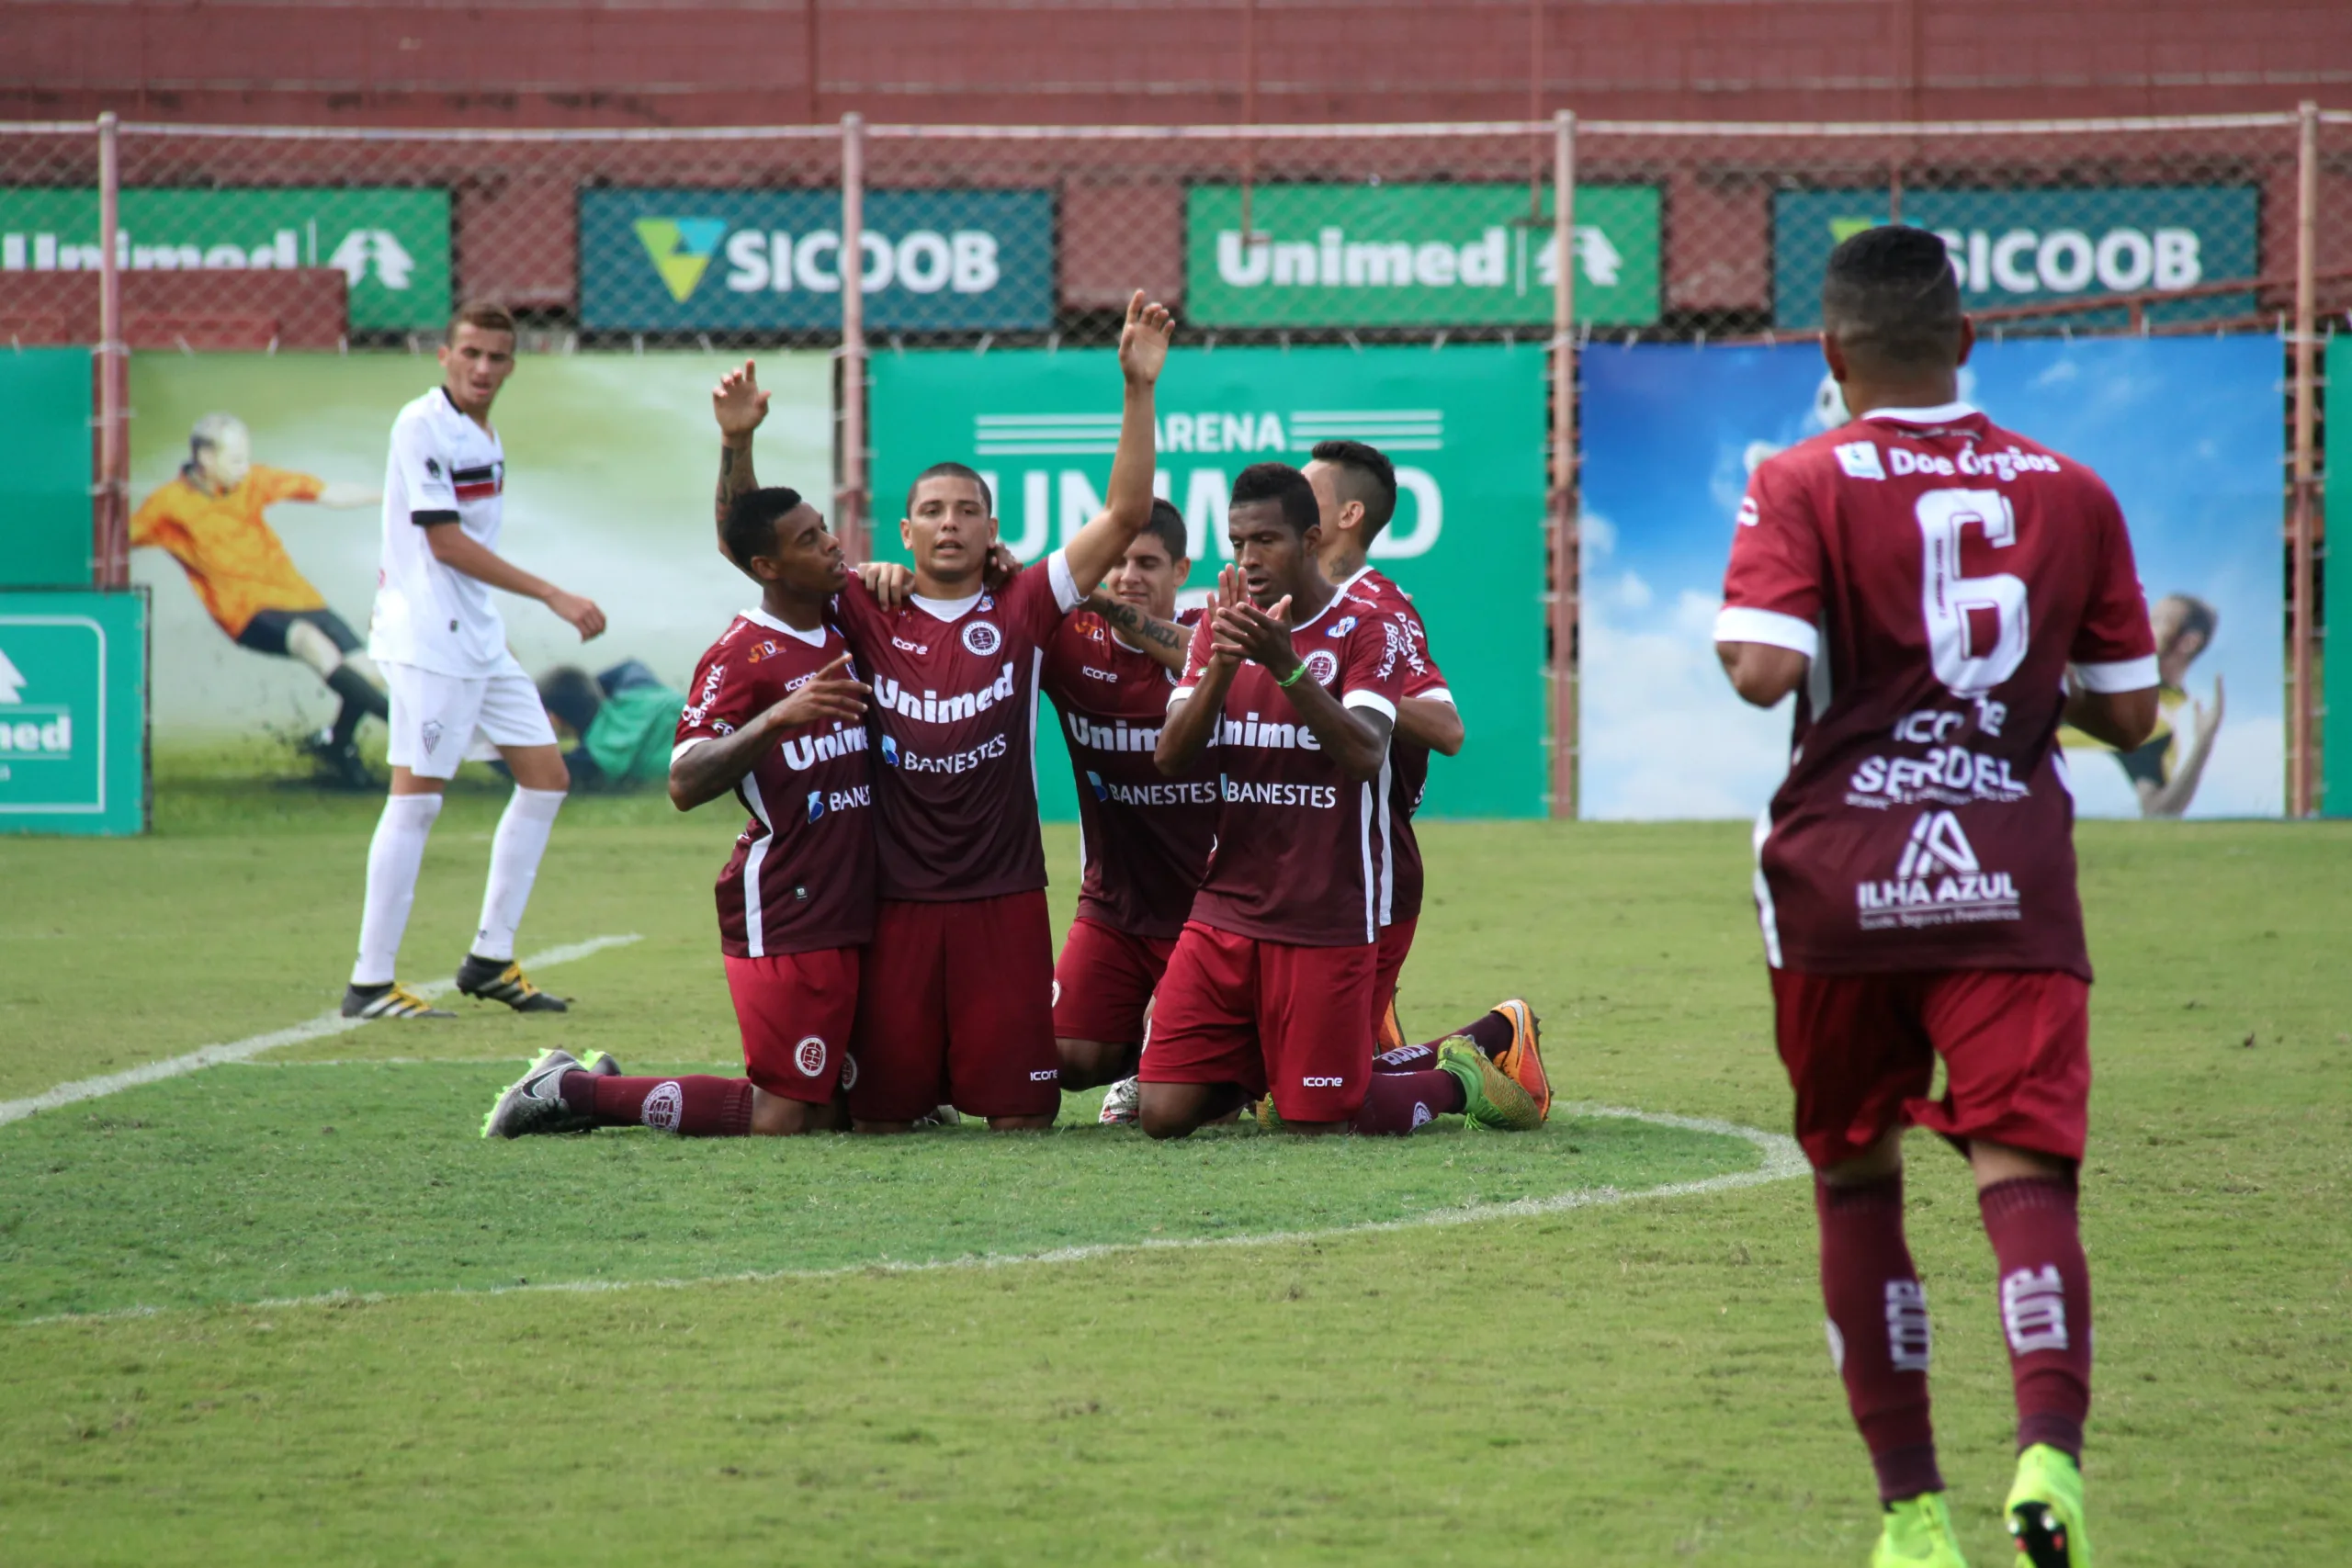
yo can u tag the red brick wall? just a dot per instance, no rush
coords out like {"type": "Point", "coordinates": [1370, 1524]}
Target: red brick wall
{"type": "Point", "coordinates": [708, 61]}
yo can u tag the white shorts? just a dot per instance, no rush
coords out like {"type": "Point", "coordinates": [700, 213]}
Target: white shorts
{"type": "Point", "coordinates": [439, 721]}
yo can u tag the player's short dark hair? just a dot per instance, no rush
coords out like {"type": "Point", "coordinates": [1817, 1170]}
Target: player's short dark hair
{"type": "Point", "coordinates": [750, 526]}
{"type": "Point", "coordinates": [1367, 476]}
{"type": "Point", "coordinates": [1280, 482]}
{"type": "Point", "coordinates": [487, 314]}
{"type": "Point", "coordinates": [572, 695]}
{"type": "Point", "coordinates": [1889, 297]}
{"type": "Point", "coordinates": [2195, 616]}
{"type": "Point", "coordinates": [952, 471]}
{"type": "Point", "coordinates": [1168, 524]}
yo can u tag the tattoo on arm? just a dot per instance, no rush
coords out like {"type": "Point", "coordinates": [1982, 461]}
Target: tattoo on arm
{"type": "Point", "coordinates": [1129, 619]}
{"type": "Point", "coordinates": [735, 476]}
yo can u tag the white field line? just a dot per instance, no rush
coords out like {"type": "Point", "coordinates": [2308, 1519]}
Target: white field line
{"type": "Point", "coordinates": [318, 1028]}
{"type": "Point", "coordinates": [1782, 1162]}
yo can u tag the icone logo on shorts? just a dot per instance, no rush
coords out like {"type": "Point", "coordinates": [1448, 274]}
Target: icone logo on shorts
{"type": "Point", "coordinates": [1323, 1083]}
{"type": "Point", "coordinates": [982, 637]}
{"type": "Point", "coordinates": [1047, 1075]}
{"type": "Point", "coordinates": [810, 1056]}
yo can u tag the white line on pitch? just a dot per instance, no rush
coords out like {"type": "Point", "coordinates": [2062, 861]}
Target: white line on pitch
{"type": "Point", "coordinates": [1783, 1161]}
{"type": "Point", "coordinates": [253, 1046]}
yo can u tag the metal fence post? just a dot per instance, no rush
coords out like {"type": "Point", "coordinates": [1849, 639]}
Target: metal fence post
{"type": "Point", "coordinates": [111, 542]}
{"type": "Point", "coordinates": [850, 490]}
{"type": "Point", "coordinates": [1563, 475]}
{"type": "Point", "coordinates": [2302, 766]}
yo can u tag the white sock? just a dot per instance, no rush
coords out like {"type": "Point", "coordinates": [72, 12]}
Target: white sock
{"type": "Point", "coordinates": [522, 839]}
{"type": "Point", "coordinates": [393, 856]}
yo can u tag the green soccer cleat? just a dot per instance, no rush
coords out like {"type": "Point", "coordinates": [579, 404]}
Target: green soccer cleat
{"type": "Point", "coordinates": [1489, 1097]}
{"type": "Point", "coordinates": [1917, 1534]}
{"type": "Point", "coordinates": [502, 980]}
{"type": "Point", "coordinates": [2046, 1511]}
{"type": "Point", "coordinates": [600, 1065]}
{"type": "Point", "coordinates": [534, 1102]}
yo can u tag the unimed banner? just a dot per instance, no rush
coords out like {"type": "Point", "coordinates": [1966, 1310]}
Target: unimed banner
{"type": "Point", "coordinates": [1353, 255]}
{"type": "Point", "coordinates": [611, 461]}
{"type": "Point", "coordinates": [2186, 431]}
{"type": "Point", "coordinates": [706, 260]}
{"type": "Point", "coordinates": [1465, 426]}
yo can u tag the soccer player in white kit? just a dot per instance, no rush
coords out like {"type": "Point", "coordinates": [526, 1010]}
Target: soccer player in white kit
{"type": "Point", "coordinates": [456, 689]}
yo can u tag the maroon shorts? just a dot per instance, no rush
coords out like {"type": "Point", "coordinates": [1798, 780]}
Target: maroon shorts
{"type": "Point", "coordinates": [1395, 941]}
{"type": "Point", "coordinates": [956, 1007]}
{"type": "Point", "coordinates": [794, 1009]}
{"type": "Point", "coordinates": [1861, 1049]}
{"type": "Point", "coordinates": [1103, 983]}
{"type": "Point", "coordinates": [1235, 1010]}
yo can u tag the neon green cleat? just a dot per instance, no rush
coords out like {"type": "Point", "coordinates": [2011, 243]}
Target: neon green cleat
{"type": "Point", "coordinates": [1917, 1534]}
{"type": "Point", "coordinates": [1489, 1097]}
{"type": "Point", "coordinates": [2046, 1511]}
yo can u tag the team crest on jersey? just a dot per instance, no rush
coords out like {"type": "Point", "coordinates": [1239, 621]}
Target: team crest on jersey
{"type": "Point", "coordinates": [1751, 514]}
{"type": "Point", "coordinates": [982, 637]}
{"type": "Point", "coordinates": [433, 468]}
{"type": "Point", "coordinates": [809, 1057]}
{"type": "Point", "coordinates": [1860, 460]}
{"type": "Point", "coordinates": [663, 1107]}
{"type": "Point", "coordinates": [1323, 666]}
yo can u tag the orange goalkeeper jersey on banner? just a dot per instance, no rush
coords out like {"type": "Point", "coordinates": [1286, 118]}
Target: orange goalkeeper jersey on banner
{"type": "Point", "coordinates": [234, 560]}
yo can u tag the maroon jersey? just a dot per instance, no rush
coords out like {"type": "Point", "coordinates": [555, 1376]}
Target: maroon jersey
{"type": "Point", "coordinates": [1941, 573]}
{"type": "Point", "coordinates": [955, 722]}
{"type": "Point", "coordinates": [802, 874]}
{"type": "Point", "coordinates": [1143, 837]}
{"type": "Point", "coordinates": [1409, 760]}
{"type": "Point", "coordinates": [1301, 848]}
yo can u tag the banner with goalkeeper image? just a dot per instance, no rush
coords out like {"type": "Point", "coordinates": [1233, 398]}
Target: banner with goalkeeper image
{"type": "Point", "coordinates": [256, 489]}
{"type": "Point", "coordinates": [2186, 431]}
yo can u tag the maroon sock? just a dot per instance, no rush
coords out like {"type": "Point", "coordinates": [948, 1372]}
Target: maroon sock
{"type": "Point", "coordinates": [1878, 1330]}
{"type": "Point", "coordinates": [695, 1106]}
{"type": "Point", "coordinates": [1399, 1103]}
{"type": "Point", "coordinates": [2045, 1305]}
{"type": "Point", "coordinates": [1491, 1033]}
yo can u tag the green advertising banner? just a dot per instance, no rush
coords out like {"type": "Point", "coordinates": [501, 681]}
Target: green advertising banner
{"type": "Point", "coordinates": [2335, 667]}
{"type": "Point", "coordinates": [393, 244]}
{"type": "Point", "coordinates": [2032, 247]}
{"type": "Point", "coordinates": [1331, 256]}
{"type": "Point", "coordinates": [1465, 425]}
{"type": "Point", "coordinates": [72, 713]}
{"type": "Point", "coordinates": [45, 486]}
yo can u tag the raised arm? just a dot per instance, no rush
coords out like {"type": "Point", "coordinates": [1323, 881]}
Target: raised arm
{"type": "Point", "coordinates": [1143, 352]}
{"type": "Point", "coordinates": [739, 403]}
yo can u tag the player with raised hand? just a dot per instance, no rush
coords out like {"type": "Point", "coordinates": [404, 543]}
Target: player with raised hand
{"type": "Point", "coordinates": [776, 718]}
{"type": "Point", "coordinates": [456, 689]}
{"type": "Point", "coordinates": [1355, 496]}
{"type": "Point", "coordinates": [957, 997]}
{"type": "Point", "coordinates": [1269, 990]}
{"type": "Point", "coordinates": [1938, 593]}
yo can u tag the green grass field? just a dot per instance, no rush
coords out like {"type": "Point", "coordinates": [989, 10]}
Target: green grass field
{"type": "Point", "coordinates": [292, 1310]}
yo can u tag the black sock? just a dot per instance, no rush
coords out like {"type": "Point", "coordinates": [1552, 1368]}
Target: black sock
{"type": "Point", "coordinates": [360, 698]}
{"type": "Point", "coordinates": [1491, 1033]}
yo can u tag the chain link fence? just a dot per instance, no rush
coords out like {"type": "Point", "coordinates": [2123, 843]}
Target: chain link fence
{"type": "Point", "coordinates": [872, 239]}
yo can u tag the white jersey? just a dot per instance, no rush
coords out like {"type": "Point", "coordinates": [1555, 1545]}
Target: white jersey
{"type": "Point", "coordinates": [446, 473]}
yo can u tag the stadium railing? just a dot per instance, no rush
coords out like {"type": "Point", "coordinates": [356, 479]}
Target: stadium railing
{"type": "Point", "coordinates": [859, 239]}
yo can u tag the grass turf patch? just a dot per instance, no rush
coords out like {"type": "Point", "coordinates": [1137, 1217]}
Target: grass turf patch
{"type": "Point", "coordinates": [251, 1183]}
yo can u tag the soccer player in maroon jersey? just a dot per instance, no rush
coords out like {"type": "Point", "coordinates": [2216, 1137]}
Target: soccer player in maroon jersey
{"type": "Point", "coordinates": [1939, 593]}
{"type": "Point", "coordinates": [1355, 496]}
{"type": "Point", "coordinates": [1143, 839]}
{"type": "Point", "coordinates": [776, 717]}
{"type": "Point", "coordinates": [1269, 989]}
{"type": "Point", "coordinates": [956, 998]}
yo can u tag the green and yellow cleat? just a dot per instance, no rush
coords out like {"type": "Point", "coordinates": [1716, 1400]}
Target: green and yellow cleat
{"type": "Point", "coordinates": [534, 1102]}
{"type": "Point", "coordinates": [1917, 1534]}
{"type": "Point", "coordinates": [1490, 1096]}
{"type": "Point", "coordinates": [2046, 1511]}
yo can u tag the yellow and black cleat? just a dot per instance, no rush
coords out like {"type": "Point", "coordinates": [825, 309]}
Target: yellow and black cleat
{"type": "Point", "coordinates": [502, 980]}
{"type": "Point", "coordinates": [391, 999]}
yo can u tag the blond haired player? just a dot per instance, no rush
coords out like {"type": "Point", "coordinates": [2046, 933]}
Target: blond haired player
{"type": "Point", "coordinates": [455, 689]}
{"type": "Point", "coordinates": [211, 517]}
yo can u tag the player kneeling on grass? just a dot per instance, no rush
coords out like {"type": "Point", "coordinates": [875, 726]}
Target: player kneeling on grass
{"type": "Point", "coordinates": [776, 717]}
{"type": "Point", "coordinates": [1924, 580]}
{"type": "Point", "coordinates": [1269, 987]}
